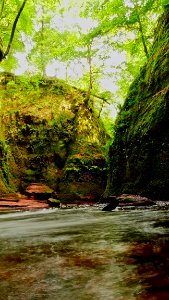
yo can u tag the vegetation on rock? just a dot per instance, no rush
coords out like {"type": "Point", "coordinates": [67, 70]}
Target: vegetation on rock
{"type": "Point", "coordinates": [139, 155]}
{"type": "Point", "coordinates": [50, 135]}
{"type": "Point", "coordinates": [52, 130]}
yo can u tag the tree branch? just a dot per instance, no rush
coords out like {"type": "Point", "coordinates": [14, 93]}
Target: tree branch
{"type": "Point", "coordinates": [89, 60]}
{"type": "Point", "coordinates": [13, 29]}
{"type": "Point", "coordinates": [142, 36]}
{"type": "Point", "coordinates": [100, 110]}
{"type": "Point", "coordinates": [2, 8]}
{"type": "Point", "coordinates": [1, 43]}
{"type": "Point", "coordinates": [99, 97]}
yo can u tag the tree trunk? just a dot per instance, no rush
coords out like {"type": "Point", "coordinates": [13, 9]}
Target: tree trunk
{"type": "Point", "coordinates": [142, 37]}
{"type": "Point", "coordinates": [89, 59]}
{"type": "Point", "coordinates": [3, 55]}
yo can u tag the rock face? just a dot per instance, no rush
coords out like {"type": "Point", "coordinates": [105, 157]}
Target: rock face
{"type": "Point", "coordinates": [48, 134]}
{"type": "Point", "coordinates": [139, 155]}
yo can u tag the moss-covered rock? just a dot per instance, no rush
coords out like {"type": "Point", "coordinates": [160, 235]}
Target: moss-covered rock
{"type": "Point", "coordinates": [85, 168]}
{"type": "Point", "coordinates": [139, 155]}
{"type": "Point", "coordinates": [7, 166]}
{"type": "Point", "coordinates": [53, 136]}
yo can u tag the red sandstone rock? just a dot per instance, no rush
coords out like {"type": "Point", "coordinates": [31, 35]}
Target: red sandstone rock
{"type": "Point", "coordinates": [24, 203]}
{"type": "Point", "coordinates": [134, 200]}
{"type": "Point", "coordinates": [39, 191]}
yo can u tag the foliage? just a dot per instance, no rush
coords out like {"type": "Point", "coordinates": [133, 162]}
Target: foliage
{"type": "Point", "coordinates": [78, 41]}
{"type": "Point", "coordinates": [42, 113]}
{"type": "Point", "coordinates": [5, 24]}
{"type": "Point", "coordinates": [6, 167]}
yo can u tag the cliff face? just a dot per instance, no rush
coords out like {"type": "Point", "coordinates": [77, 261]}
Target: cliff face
{"type": "Point", "coordinates": [48, 134]}
{"type": "Point", "coordinates": [139, 155]}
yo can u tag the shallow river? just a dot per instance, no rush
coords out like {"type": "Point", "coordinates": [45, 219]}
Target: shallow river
{"type": "Point", "coordinates": [84, 254]}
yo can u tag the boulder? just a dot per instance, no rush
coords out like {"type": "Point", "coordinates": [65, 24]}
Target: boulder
{"type": "Point", "coordinates": [134, 200]}
{"type": "Point", "coordinates": [113, 203]}
{"type": "Point", "coordinates": [38, 191]}
{"type": "Point", "coordinates": [53, 202]}
{"type": "Point", "coordinates": [126, 200]}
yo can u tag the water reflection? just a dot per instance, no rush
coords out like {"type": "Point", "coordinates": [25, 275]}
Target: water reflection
{"type": "Point", "coordinates": [84, 254]}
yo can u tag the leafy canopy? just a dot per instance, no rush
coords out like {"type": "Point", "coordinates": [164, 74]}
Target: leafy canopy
{"type": "Point", "coordinates": [98, 45]}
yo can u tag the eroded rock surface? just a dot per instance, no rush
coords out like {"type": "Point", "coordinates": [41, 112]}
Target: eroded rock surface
{"type": "Point", "coordinates": [139, 155]}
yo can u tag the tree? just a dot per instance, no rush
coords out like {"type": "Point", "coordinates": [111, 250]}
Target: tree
{"type": "Point", "coordinates": [44, 36]}
{"type": "Point", "coordinates": [3, 54]}
{"type": "Point", "coordinates": [128, 26]}
{"type": "Point", "coordinates": [117, 25]}
{"type": "Point", "coordinates": [118, 16]}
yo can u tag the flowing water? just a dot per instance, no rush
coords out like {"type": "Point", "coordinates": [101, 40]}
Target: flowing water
{"type": "Point", "coordinates": [84, 254]}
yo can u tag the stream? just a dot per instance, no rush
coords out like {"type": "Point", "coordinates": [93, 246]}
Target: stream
{"type": "Point", "coordinates": [84, 254]}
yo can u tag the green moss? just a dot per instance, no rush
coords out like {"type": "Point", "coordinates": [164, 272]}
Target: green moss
{"type": "Point", "coordinates": [6, 164]}
{"type": "Point", "coordinates": [53, 135]}
{"type": "Point", "coordinates": [140, 147]}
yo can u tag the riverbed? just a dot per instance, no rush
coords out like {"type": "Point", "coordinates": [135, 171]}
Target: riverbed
{"type": "Point", "coordinates": [84, 254]}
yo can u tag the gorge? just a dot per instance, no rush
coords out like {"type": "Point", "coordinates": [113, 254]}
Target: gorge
{"type": "Point", "coordinates": [59, 167]}
{"type": "Point", "coordinates": [50, 133]}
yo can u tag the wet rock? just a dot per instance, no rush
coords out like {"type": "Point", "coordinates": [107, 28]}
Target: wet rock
{"type": "Point", "coordinates": [39, 191]}
{"type": "Point", "coordinates": [134, 200]}
{"type": "Point", "coordinates": [24, 203]}
{"type": "Point", "coordinates": [53, 202]}
{"type": "Point", "coordinates": [113, 203]}
{"type": "Point", "coordinates": [15, 197]}
{"type": "Point", "coordinates": [126, 200]}
{"type": "Point", "coordinates": [89, 198]}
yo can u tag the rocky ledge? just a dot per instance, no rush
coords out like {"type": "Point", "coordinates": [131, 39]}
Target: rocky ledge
{"type": "Point", "coordinates": [20, 202]}
{"type": "Point", "coordinates": [134, 200]}
{"type": "Point", "coordinates": [126, 200]}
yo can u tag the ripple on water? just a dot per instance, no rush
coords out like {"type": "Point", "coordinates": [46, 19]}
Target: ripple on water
{"type": "Point", "coordinates": [84, 254]}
